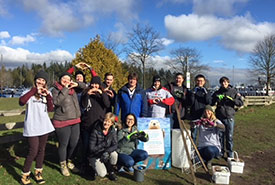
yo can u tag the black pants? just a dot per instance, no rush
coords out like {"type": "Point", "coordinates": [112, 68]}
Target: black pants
{"type": "Point", "coordinates": [68, 139]}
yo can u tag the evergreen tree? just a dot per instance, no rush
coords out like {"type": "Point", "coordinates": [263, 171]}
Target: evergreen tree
{"type": "Point", "coordinates": [102, 60]}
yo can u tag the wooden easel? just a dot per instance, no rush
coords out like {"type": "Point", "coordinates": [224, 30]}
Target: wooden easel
{"type": "Point", "coordinates": [183, 128]}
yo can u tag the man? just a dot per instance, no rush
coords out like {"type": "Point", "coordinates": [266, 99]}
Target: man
{"type": "Point", "coordinates": [179, 92]}
{"type": "Point", "coordinates": [131, 99]}
{"type": "Point", "coordinates": [226, 99]}
{"type": "Point", "coordinates": [107, 85]}
{"type": "Point", "coordinates": [198, 98]}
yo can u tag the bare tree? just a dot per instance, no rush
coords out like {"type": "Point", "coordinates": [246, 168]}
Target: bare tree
{"type": "Point", "coordinates": [143, 42]}
{"type": "Point", "coordinates": [186, 59]}
{"type": "Point", "coordinates": [263, 59]}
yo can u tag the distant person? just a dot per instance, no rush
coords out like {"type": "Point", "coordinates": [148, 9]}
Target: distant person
{"type": "Point", "coordinates": [198, 98]}
{"type": "Point", "coordinates": [128, 139]}
{"type": "Point", "coordinates": [226, 98]}
{"type": "Point", "coordinates": [37, 125]}
{"type": "Point", "coordinates": [66, 120]}
{"type": "Point", "coordinates": [107, 85]}
{"type": "Point", "coordinates": [179, 92]}
{"type": "Point", "coordinates": [209, 141]}
{"type": "Point", "coordinates": [158, 99]}
{"type": "Point", "coordinates": [102, 146]}
{"type": "Point", "coordinates": [131, 99]}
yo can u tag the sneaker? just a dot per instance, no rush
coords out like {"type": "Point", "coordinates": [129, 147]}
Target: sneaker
{"type": "Point", "coordinates": [72, 167]}
{"type": "Point", "coordinates": [112, 176]}
{"type": "Point", "coordinates": [130, 170]}
{"type": "Point", "coordinates": [64, 169]}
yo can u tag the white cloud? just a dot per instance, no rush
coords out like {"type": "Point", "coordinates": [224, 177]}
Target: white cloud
{"type": "Point", "coordinates": [4, 35]}
{"type": "Point", "coordinates": [20, 55]}
{"type": "Point", "coordinates": [158, 62]}
{"type": "Point", "coordinates": [166, 41]}
{"type": "Point", "coordinates": [3, 8]}
{"type": "Point", "coordinates": [18, 40]}
{"type": "Point", "coordinates": [216, 7]}
{"type": "Point", "coordinates": [218, 61]}
{"type": "Point", "coordinates": [239, 33]}
{"type": "Point", "coordinates": [58, 17]}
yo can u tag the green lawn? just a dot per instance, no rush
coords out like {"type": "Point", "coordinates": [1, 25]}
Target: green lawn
{"type": "Point", "coordinates": [254, 131]}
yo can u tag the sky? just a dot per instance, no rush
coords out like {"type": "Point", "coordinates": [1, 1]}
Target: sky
{"type": "Point", "coordinates": [223, 31]}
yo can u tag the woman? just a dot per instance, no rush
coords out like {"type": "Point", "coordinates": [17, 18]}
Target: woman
{"type": "Point", "coordinates": [95, 103]}
{"type": "Point", "coordinates": [128, 138]}
{"type": "Point", "coordinates": [159, 98]}
{"type": "Point", "coordinates": [103, 145]}
{"type": "Point", "coordinates": [209, 141]}
{"type": "Point", "coordinates": [66, 119]}
{"type": "Point", "coordinates": [37, 125]}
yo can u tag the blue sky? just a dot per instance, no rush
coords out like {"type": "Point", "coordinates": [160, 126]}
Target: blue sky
{"type": "Point", "coordinates": [223, 31]}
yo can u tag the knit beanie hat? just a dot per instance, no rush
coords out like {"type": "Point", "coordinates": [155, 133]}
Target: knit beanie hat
{"type": "Point", "coordinates": [208, 107]}
{"type": "Point", "coordinates": [96, 80]}
{"type": "Point", "coordinates": [156, 78]}
{"type": "Point", "coordinates": [64, 74]}
{"type": "Point", "coordinates": [42, 74]}
{"type": "Point", "coordinates": [80, 72]}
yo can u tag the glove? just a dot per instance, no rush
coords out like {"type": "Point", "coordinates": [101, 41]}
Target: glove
{"type": "Point", "coordinates": [105, 157]}
{"type": "Point", "coordinates": [133, 136]}
{"type": "Point", "coordinates": [220, 96]}
{"type": "Point", "coordinates": [142, 136]}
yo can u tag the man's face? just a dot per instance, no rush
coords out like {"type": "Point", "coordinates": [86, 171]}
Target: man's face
{"type": "Point", "coordinates": [225, 84]}
{"type": "Point", "coordinates": [200, 82]}
{"type": "Point", "coordinates": [132, 82]}
{"type": "Point", "coordinates": [109, 80]}
{"type": "Point", "coordinates": [179, 80]}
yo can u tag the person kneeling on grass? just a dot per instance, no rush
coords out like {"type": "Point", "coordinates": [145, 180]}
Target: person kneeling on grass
{"type": "Point", "coordinates": [209, 142]}
{"type": "Point", "coordinates": [128, 138]}
{"type": "Point", "coordinates": [102, 146]}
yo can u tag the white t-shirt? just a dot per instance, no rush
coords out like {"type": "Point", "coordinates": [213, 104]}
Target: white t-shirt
{"type": "Point", "coordinates": [37, 121]}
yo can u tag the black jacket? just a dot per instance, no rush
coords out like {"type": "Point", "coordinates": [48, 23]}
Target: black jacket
{"type": "Point", "coordinates": [95, 107]}
{"type": "Point", "coordinates": [180, 95]}
{"type": "Point", "coordinates": [198, 98]}
{"type": "Point", "coordinates": [112, 100]}
{"type": "Point", "coordinates": [100, 143]}
{"type": "Point", "coordinates": [225, 106]}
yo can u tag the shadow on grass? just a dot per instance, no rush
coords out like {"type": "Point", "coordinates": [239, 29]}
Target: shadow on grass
{"type": "Point", "coordinates": [9, 160]}
{"type": "Point", "coordinates": [180, 177]}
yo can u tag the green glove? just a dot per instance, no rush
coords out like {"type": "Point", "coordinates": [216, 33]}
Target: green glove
{"type": "Point", "coordinates": [133, 135]}
{"type": "Point", "coordinates": [221, 96]}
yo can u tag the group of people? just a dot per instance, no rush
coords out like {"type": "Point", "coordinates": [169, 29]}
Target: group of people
{"type": "Point", "coordinates": [88, 112]}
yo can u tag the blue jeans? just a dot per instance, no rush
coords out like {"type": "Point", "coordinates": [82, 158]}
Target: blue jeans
{"type": "Point", "coordinates": [228, 135]}
{"type": "Point", "coordinates": [209, 152]}
{"type": "Point", "coordinates": [130, 160]}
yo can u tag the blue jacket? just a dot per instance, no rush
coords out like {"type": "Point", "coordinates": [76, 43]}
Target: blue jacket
{"type": "Point", "coordinates": [136, 105]}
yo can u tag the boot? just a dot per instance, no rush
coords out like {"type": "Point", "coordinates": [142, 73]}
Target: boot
{"type": "Point", "coordinates": [64, 169]}
{"type": "Point", "coordinates": [72, 167]}
{"type": "Point", "coordinates": [38, 176]}
{"type": "Point", "coordinates": [25, 178]}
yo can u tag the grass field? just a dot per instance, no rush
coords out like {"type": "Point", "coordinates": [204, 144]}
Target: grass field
{"type": "Point", "coordinates": [254, 133]}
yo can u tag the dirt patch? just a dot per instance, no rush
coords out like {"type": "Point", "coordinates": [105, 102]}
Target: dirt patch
{"type": "Point", "coordinates": [259, 169]}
